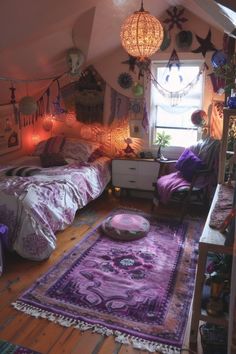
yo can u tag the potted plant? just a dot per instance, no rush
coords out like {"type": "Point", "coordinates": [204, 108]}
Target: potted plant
{"type": "Point", "coordinates": [162, 140]}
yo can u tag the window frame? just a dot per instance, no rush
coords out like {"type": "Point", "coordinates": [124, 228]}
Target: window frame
{"type": "Point", "coordinates": [153, 107]}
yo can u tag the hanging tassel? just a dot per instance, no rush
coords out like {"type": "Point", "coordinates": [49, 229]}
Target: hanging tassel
{"type": "Point", "coordinates": [48, 102]}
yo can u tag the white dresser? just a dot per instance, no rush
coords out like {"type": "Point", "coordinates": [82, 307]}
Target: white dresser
{"type": "Point", "coordinates": [135, 174]}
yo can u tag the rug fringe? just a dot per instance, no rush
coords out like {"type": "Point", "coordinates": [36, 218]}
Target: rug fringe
{"type": "Point", "coordinates": [120, 337]}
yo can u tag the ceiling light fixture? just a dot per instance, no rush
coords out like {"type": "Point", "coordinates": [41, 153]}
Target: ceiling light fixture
{"type": "Point", "coordinates": [141, 34]}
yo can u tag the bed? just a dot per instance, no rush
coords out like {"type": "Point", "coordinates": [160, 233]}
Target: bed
{"type": "Point", "coordinates": [36, 201]}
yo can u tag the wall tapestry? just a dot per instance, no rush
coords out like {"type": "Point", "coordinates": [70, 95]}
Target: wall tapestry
{"type": "Point", "coordinates": [86, 96]}
{"type": "Point", "coordinates": [10, 138]}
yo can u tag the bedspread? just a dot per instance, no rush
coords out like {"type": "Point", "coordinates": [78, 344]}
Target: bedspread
{"type": "Point", "coordinates": [34, 208]}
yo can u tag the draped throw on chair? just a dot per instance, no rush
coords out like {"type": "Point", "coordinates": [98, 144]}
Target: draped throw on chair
{"type": "Point", "coordinates": [204, 174]}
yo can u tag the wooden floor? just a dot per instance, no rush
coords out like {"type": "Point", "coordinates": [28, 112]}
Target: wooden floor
{"type": "Point", "coordinates": [40, 334]}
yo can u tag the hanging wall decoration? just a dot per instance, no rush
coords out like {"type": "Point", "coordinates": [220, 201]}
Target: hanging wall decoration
{"type": "Point", "coordinates": [173, 61]}
{"type": "Point", "coordinates": [166, 39]}
{"type": "Point", "coordinates": [175, 18]}
{"type": "Point", "coordinates": [184, 39]}
{"type": "Point", "coordinates": [125, 80]}
{"type": "Point", "coordinates": [10, 137]}
{"type": "Point", "coordinates": [132, 61]}
{"type": "Point", "coordinates": [74, 59]}
{"type": "Point", "coordinates": [57, 109]}
{"type": "Point", "coordinates": [27, 105]}
{"type": "Point", "coordinates": [218, 58]}
{"type": "Point", "coordinates": [119, 106]}
{"type": "Point", "coordinates": [85, 96]}
{"type": "Point", "coordinates": [205, 44]}
{"type": "Point", "coordinates": [138, 89]}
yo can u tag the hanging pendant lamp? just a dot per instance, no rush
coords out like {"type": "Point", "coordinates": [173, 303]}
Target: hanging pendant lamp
{"type": "Point", "coordinates": [141, 34]}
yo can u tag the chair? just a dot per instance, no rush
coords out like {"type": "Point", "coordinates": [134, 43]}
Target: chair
{"type": "Point", "coordinates": [195, 178]}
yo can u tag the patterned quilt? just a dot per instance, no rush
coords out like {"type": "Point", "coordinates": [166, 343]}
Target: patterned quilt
{"type": "Point", "coordinates": [35, 207]}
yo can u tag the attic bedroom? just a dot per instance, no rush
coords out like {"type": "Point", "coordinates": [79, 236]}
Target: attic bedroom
{"type": "Point", "coordinates": [117, 177]}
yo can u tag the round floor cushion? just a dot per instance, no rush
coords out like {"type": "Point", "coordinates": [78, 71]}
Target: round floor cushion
{"type": "Point", "coordinates": [126, 227]}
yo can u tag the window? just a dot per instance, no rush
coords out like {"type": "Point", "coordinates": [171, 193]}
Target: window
{"type": "Point", "coordinates": [176, 93]}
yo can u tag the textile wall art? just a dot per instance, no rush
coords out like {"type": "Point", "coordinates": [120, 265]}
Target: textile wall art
{"type": "Point", "coordinates": [10, 137]}
{"type": "Point", "coordinates": [86, 96]}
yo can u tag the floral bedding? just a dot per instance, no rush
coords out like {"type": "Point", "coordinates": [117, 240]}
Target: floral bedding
{"type": "Point", "coordinates": [35, 207]}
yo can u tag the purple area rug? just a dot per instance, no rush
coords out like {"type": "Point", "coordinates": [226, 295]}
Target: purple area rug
{"type": "Point", "coordinates": [138, 291]}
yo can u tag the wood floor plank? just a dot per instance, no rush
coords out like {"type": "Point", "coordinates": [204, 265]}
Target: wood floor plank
{"type": "Point", "coordinates": [62, 344]}
{"type": "Point", "coordinates": [87, 343]}
{"type": "Point", "coordinates": [109, 346]}
{"type": "Point", "coordinates": [18, 322]}
{"type": "Point", "coordinates": [47, 337]}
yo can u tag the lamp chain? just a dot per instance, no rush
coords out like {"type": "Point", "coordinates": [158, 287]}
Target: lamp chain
{"type": "Point", "coordinates": [141, 8]}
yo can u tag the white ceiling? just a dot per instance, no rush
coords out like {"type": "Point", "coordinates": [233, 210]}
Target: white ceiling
{"type": "Point", "coordinates": [35, 35]}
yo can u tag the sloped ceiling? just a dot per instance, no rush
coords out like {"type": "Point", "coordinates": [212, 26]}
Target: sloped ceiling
{"type": "Point", "coordinates": [35, 35]}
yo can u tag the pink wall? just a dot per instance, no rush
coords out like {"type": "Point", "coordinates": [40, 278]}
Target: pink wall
{"type": "Point", "coordinates": [109, 68]}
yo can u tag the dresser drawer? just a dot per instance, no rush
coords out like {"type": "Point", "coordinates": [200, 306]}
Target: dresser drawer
{"type": "Point", "coordinates": [125, 181]}
{"type": "Point", "coordinates": [128, 167]}
{"type": "Point", "coordinates": [150, 169]}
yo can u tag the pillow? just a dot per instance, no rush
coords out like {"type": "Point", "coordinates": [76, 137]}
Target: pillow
{"type": "Point", "coordinates": [23, 171]}
{"type": "Point", "coordinates": [52, 159]}
{"type": "Point", "coordinates": [79, 149]}
{"type": "Point", "coordinates": [51, 145]}
{"type": "Point", "coordinates": [54, 144]}
{"type": "Point", "coordinates": [188, 163]}
{"type": "Point", "coordinates": [39, 148]}
{"type": "Point", "coordinates": [95, 155]}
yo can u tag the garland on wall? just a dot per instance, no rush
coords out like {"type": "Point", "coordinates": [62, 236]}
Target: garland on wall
{"type": "Point", "coordinates": [176, 96]}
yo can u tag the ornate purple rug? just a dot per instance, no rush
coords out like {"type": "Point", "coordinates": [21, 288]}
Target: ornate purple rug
{"type": "Point", "coordinates": [138, 291]}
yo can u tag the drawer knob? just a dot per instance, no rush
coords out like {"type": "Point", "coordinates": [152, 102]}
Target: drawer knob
{"type": "Point", "coordinates": [132, 168]}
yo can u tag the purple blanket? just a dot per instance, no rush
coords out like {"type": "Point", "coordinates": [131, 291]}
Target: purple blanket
{"type": "Point", "coordinates": [168, 184]}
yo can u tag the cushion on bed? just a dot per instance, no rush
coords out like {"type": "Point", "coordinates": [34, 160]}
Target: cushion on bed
{"type": "Point", "coordinates": [39, 148]}
{"type": "Point", "coordinates": [23, 171]}
{"type": "Point", "coordinates": [54, 144]}
{"type": "Point", "coordinates": [126, 227]}
{"type": "Point", "coordinates": [52, 159]}
{"type": "Point", "coordinates": [95, 155]}
{"type": "Point", "coordinates": [188, 163]}
{"type": "Point", "coordinates": [79, 149]}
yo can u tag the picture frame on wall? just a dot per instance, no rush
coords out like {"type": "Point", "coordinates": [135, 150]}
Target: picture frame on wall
{"type": "Point", "coordinates": [135, 128]}
{"type": "Point", "coordinates": [10, 134]}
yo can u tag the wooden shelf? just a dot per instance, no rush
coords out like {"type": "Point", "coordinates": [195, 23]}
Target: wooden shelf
{"type": "Point", "coordinates": [211, 240]}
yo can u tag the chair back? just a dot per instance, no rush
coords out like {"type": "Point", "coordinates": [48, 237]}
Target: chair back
{"type": "Point", "coordinates": [208, 151]}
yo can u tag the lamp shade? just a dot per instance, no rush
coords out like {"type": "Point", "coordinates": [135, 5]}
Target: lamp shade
{"type": "Point", "coordinates": [141, 34]}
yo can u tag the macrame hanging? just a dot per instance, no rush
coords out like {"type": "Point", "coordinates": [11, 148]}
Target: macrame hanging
{"type": "Point", "coordinates": [173, 61]}
{"type": "Point", "coordinates": [176, 96]}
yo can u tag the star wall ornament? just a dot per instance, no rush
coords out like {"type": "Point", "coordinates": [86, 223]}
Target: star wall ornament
{"type": "Point", "coordinates": [175, 18]}
{"type": "Point", "coordinates": [205, 44]}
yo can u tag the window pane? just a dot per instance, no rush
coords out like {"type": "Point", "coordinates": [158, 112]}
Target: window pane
{"type": "Point", "coordinates": [180, 137]}
{"type": "Point", "coordinates": [172, 110]}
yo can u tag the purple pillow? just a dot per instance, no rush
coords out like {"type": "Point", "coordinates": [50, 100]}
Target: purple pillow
{"type": "Point", "coordinates": [188, 163]}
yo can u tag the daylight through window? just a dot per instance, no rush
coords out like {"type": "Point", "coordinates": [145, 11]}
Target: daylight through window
{"type": "Point", "coordinates": [179, 92]}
